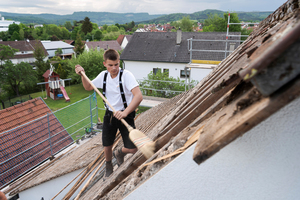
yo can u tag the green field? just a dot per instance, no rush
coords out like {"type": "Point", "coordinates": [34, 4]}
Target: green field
{"type": "Point", "coordinates": [71, 117]}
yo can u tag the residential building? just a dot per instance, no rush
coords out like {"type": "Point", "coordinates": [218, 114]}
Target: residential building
{"type": "Point", "coordinates": [30, 134]}
{"type": "Point", "coordinates": [5, 23]}
{"type": "Point", "coordinates": [25, 51]}
{"type": "Point", "coordinates": [169, 51]}
{"type": "Point", "coordinates": [123, 40]}
{"type": "Point", "coordinates": [53, 46]}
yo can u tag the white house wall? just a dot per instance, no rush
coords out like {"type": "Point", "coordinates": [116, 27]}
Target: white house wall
{"type": "Point", "coordinates": [124, 43]}
{"type": "Point", "coordinates": [51, 52]}
{"type": "Point", "coordinates": [50, 188]}
{"type": "Point", "coordinates": [141, 69]}
{"type": "Point", "coordinates": [264, 163]}
{"type": "Point", "coordinates": [27, 60]}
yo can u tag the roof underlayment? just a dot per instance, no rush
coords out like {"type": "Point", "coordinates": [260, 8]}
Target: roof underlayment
{"type": "Point", "coordinates": [252, 83]}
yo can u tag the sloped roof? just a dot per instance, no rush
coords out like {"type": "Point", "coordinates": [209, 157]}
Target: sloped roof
{"type": "Point", "coordinates": [46, 74]}
{"type": "Point", "coordinates": [71, 42]}
{"type": "Point", "coordinates": [222, 107]}
{"type": "Point", "coordinates": [24, 46]}
{"type": "Point", "coordinates": [113, 44]}
{"type": "Point", "coordinates": [24, 138]}
{"type": "Point", "coordinates": [120, 39]}
{"type": "Point", "coordinates": [162, 47]}
{"type": "Point", "coordinates": [53, 45]}
{"type": "Point", "coordinates": [128, 37]}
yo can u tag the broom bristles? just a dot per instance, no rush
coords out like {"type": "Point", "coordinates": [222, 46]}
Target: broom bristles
{"type": "Point", "coordinates": [142, 142]}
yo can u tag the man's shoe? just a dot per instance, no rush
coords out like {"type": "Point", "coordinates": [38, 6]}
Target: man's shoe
{"type": "Point", "coordinates": [108, 169]}
{"type": "Point", "coordinates": [119, 155]}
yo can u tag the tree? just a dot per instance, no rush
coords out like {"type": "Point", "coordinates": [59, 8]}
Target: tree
{"type": "Point", "coordinates": [58, 52]}
{"type": "Point", "coordinates": [40, 64]}
{"type": "Point", "coordinates": [215, 23]}
{"type": "Point", "coordinates": [15, 36]}
{"type": "Point", "coordinates": [233, 19]}
{"type": "Point", "coordinates": [161, 88]}
{"type": "Point", "coordinates": [91, 61]}
{"type": "Point", "coordinates": [98, 35]}
{"type": "Point", "coordinates": [131, 24]}
{"type": "Point", "coordinates": [79, 45]}
{"type": "Point", "coordinates": [44, 35]}
{"type": "Point", "coordinates": [54, 38]}
{"type": "Point", "coordinates": [68, 25]}
{"type": "Point", "coordinates": [87, 26]}
{"type": "Point", "coordinates": [104, 27]}
{"type": "Point", "coordinates": [12, 28]}
{"type": "Point", "coordinates": [52, 29]}
{"type": "Point", "coordinates": [186, 24]}
{"type": "Point", "coordinates": [14, 75]}
{"type": "Point", "coordinates": [6, 52]}
{"type": "Point", "coordinates": [88, 37]}
{"type": "Point", "coordinates": [34, 34]}
{"type": "Point", "coordinates": [21, 33]}
{"type": "Point", "coordinates": [4, 35]}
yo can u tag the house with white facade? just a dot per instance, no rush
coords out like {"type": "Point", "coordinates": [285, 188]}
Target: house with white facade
{"type": "Point", "coordinates": [25, 51]}
{"type": "Point", "coordinates": [123, 40]}
{"type": "Point", "coordinates": [5, 23]}
{"type": "Point", "coordinates": [169, 52]}
{"type": "Point", "coordinates": [53, 46]}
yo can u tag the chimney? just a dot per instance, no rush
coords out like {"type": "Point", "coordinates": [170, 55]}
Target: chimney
{"type": "Point", "coordinates": [178, 37]}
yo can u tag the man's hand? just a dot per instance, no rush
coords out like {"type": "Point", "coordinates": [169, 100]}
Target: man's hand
{"type": "Point", "coordinates": [79, 69]}
{"type": "Point", "coordinates": [120, 115]}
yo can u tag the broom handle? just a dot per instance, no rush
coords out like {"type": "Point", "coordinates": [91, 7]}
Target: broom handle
{"type": "Point", "coordinates": [101, 95]}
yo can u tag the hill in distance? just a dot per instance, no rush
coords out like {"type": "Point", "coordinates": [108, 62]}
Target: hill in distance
{"type": "Point", "coordinates": [109, 18]}
{"type": "Point", "coordinates": [202, 15]}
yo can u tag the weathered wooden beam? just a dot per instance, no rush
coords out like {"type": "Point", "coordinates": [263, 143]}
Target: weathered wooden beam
{"type": "Point", "coordinates": [240, 116]}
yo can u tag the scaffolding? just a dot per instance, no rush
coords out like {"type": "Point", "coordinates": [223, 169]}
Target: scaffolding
{"type": "Point", "coordinates": [209, 64]}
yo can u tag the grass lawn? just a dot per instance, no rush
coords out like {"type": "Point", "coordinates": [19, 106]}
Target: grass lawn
{"type": "Point", "coordinates": [76, 93]}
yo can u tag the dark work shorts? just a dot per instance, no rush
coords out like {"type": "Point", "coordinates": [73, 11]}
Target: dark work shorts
{"type": "Point", "coordinates": [111, 126]}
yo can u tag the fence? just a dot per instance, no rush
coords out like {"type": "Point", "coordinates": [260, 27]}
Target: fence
{"type": "Point", "coordinates": [164, 89]}
{"type": "Point", "coordinates": [26, 146]}
{"type": "Point", "coordinates": [14, 101]}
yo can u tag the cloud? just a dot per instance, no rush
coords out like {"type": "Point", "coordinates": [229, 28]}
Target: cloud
{"type": "Point", "coordinates": [64, 7]}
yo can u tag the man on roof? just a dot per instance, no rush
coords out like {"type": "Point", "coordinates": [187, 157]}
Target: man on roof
{"type": "Point", "coordinates": [123, 93]}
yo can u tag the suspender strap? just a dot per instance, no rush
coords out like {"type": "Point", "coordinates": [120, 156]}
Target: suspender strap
{"type": "Point", "coordinates": [104, 87]}
{"type": "Point", "coordinates": [121, 88]}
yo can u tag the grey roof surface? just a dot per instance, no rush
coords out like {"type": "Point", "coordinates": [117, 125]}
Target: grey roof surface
{"type": "Point", "coordinates": [113, 44]}
{"type": "Point", "coordinates": [56, 44]}
{"type": "Point", "coordinates": [161, 46]}
{"type": "Point", "coordinates": [128, 37]}
{"type": "Point", "coordinates": [29, 45]}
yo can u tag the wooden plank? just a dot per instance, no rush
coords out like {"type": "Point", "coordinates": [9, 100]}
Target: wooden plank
{"type": "Point", "coordinates": [200, 107]}
{"type": "Point", "coordinates": [230, 123]}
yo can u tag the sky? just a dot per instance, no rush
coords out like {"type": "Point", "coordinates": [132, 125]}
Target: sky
{"type": "Point", "coordinates": [64, 7]}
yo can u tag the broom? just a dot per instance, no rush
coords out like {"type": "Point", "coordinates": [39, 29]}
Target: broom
{"type": "Point", "coordinates": [141, 141]}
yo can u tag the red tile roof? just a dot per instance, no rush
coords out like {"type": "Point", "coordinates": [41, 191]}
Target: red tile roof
{"type": "Point", "coordinates": [120, 39]}
{"type": "Point", "coordinates": [24, 138]}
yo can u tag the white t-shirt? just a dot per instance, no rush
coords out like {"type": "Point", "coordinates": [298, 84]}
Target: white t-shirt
{"type": "Point", "coordinates": [113, 94]}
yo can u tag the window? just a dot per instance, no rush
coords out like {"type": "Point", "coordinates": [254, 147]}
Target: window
{"type": "Point", "coordinates": [155, 70]}
{"type": "Point", "coordinates": [182, 73]}
{"type": "Point", "coordinates": [166, 71]}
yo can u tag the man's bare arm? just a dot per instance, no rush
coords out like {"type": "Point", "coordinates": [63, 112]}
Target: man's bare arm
{"type": "Point", "coordinates": [85, 83]}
